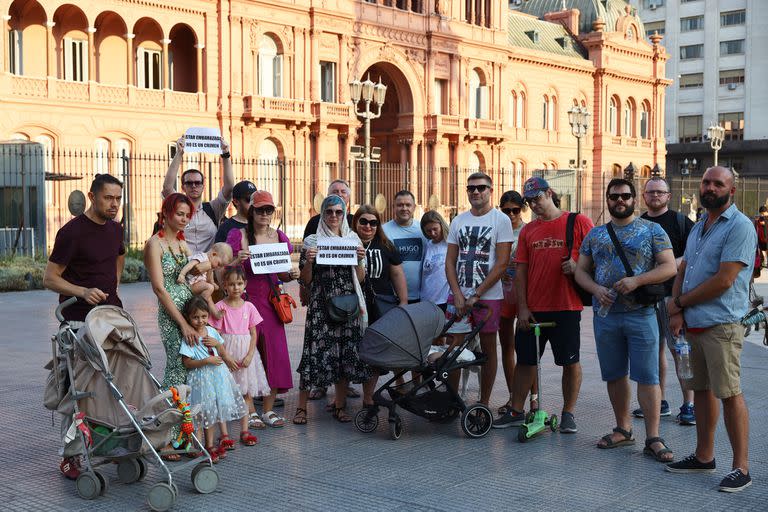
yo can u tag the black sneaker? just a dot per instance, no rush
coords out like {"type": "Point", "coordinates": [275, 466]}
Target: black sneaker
{"type": "Point", "coordinates": [664, 411]}
{"type": "Point", "coordinates": [735, 481]}
{"type": "Point", "coordinates": [511, 418]}
{"type": "Point", "coordinates": [568, 423]}
{"type": "Point", "coordinates": [691, 464]}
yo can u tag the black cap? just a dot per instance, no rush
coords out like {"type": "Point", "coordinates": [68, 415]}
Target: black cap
{"type": "Point", "coordinates": [243, 190]}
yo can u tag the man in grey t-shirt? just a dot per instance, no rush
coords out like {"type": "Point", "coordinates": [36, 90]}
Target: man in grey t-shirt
{"type": "Point", "coordinates": [409, 240]}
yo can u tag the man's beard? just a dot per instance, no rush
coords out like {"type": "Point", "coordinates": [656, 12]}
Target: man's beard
{"type": "Point", "coordinates": [628, 211]}
{"type": "Point", "coordinates": [713, 201]}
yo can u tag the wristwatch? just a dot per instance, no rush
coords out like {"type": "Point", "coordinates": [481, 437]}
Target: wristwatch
{"type": "Point", "coordinates": [225, 155]}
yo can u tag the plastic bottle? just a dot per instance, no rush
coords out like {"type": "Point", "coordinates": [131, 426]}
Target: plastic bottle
{"type": "Point", "coordinates": [603, 311]}
{"type": "Point", "coordinates": [683, 357]}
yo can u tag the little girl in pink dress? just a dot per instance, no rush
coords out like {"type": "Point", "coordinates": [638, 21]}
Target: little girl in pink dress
{"type": "Point", "coordinates": [237, 326]}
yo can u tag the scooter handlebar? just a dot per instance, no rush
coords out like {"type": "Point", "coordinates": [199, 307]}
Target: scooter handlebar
{"type": "Point", "coordinates": [543, 324]}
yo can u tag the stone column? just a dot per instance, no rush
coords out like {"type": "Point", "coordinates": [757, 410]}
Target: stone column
{"type": "Point", "coordinates": [454, 86]}
{"type": "Point", "coordinates": [431, 56]}
{"type": "Point", "coordinates": [166, 69]}
{"type": "Point", "coordinates": [314, 64]}
{"type": "Point", "coordinates": [131, 58]}
{"type": "Point", "coordinates": [199, 48]}
{"type": "Point", "coordinates": [343, 70]}
{"type": "Point", "coordinates": [5, 55]}
{"type": "Point", "coordinates": [91, 54]}
{"type": "Point", "coordinates": [51, 42]}
{"type": "Point", "coordinates": [413, 172]}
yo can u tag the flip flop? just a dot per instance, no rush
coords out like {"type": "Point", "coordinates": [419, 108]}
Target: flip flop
{"type": "Point", "coordinates": [610, 443]}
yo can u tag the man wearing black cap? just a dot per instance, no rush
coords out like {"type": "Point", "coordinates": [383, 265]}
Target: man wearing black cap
{"type": "Point", "coordinates": [241, 199]}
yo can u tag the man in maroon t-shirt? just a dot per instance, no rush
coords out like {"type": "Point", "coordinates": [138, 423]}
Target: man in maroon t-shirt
{"type": "Point", "coordinates": [86, 262]}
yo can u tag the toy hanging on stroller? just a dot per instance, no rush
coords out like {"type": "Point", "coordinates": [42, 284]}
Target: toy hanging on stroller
{"type": "Point", "coordinates": [100, 376]}
{"type": "Point", "coordinates": [400, 341]}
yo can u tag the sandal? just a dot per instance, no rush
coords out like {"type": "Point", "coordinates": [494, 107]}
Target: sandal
{"type": "Point", "coordinates": [214, 454]}
{"type": "Point", "coordinates": [341, 415]}
{"type": "Point", "coordinates": [300, 418]}
{"type": "Point", "coordinates": [254, 421]}
{"type": "Point", "coordinates": [658, 455]}
{"type": "Point", "coordinates": [171, 457]}
{"type": "Point", "coordinates": [272, 419]}
{"type": "Point", "coordinates": [504, 409]}
{"type": "Point", "coordinates": [226, 443]}
{"type": "Point", "coordinates": [610, 443]}
{"type": "Point", "coordinates": [317, 393]}
{"type": "Point", "coordinates": [248, 439]}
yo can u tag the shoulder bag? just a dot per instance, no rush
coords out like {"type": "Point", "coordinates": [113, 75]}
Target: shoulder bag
{"type": "Point", "coordinates": [281, 302]}
{"type": "Point", "coordinates": [343, 308]}
{"type": "Point", "coordinates": [584, 295]}
{"type": "Point", "coordinates": [648, 294]}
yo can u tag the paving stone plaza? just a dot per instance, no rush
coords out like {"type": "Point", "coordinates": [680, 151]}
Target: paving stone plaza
{"type": "Point", "coordinates": [329, 466]}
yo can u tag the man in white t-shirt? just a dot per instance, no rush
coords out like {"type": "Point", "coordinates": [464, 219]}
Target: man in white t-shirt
{"type": "Point", "coordinates": [409, 241]}
{"type": "Point", "coordinates": [201, 229]}
{"type": "Point", "coordinates": [479, 242]}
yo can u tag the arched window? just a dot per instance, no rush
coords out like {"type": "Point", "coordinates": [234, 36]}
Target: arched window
{"type": "Point", "coordinates": [473, 165]}
{"type": "Point", "coordinates": [270, 68]}
{"type": "Point", "coordinates": [268, 172]}
{"type": "Point", "coordinates": [520, 110]}
{"type": "Point", "coordinates": [613, 108]}
{"type": "Point", "coordinates": [553, 113]}
{"type": "Point", "coordinates": [19, 136]}
{"type": "Point", "coordinates": [545, 113]}
{"type": "Point", "coordinates": [478, 96]}
{"type": "Point", "coordinates": [627, 116]}
{"type": "Point", "coordinates": [101, 156]}
{"type": "Point", "coordinates": [512, 104]}
{"type": "Point", "coordinates": [644, 132]}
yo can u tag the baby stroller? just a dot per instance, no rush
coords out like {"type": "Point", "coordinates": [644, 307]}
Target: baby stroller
{"type": "Point", "coordinates": [101, 378]}
{"type": "Point", "coordinates": [400, 341]}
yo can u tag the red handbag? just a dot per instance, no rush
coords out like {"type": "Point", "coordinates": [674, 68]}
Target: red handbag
{"type": "Point", "coordinates": [282, 303]}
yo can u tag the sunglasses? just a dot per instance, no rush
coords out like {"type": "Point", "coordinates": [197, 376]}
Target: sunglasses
{"type": "Point", "coordinates": [626, 196]}
{"type": "Point", "coordinates": [330, 212]}
{"type": "Point", "coordinates": [365, 222]}
{"type": "Point", "coordinates": [477, 188]}
{"type": "Point", "coordinates": [264, 210]}
{"type": "Point", "coordinates": [514, 211]}
{"type": "Point", "coordinates": [193, 183]}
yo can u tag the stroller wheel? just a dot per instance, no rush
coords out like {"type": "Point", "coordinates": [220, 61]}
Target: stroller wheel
{"type": "Point", "coordinates": [129, 471]}
{"type": "Point", "coordinates": [142, 469]}
{"type": "Point", "coordinates": [175, 490]}
{"type": "Point", "coordinates": [161, 497]}
{"type": "Point", "coordinates": [476, 421]}
{"type": "Point", "coordinates": [365, 421]}
{"type": "Point", "coordinates": [396, 428]}
{"type": "Point", "coordinates": [104, 482]}
{"type": "Point", "coordinates": [205, 478]}
{"type": "Point", "coordinates": [522, 433]}
{"type": "Point", "coordinates": [88, 485]}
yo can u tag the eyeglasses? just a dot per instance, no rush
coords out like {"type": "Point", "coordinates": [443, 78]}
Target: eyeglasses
{"type": "Point", "coordinates": [626, 196]}
{"type": "Point", "coordinates": [477, 188]}
{"type": "Point", "coordinates": [535, 199]}
{"type": "Point", "coordinates": [330, 212]}
{"type": "Point", "coordinates": [656, 192]}
{"type": "Point", "coordinates": [514, 211]}
{"type": "Point", "coordinates": [193, 183]}
{"type": "Point", "coordinates": [365, 222]}
{"type": "Point", "coordinates": [264, 210]}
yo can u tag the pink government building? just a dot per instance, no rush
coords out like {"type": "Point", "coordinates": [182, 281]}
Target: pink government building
{"type": "Point", "coordinates": [471, 84]}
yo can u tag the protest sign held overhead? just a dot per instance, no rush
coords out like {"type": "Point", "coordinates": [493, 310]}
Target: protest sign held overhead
{"type": "Point", "coordinates": [202, 140]}
{"type": "Point", "coordinates": [336, 251]}
{"type": "Point", "coordinates": [270, 258]}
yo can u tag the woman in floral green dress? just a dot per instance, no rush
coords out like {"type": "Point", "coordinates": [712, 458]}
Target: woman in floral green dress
{"type": "Point", "coordinates": [164, 256]}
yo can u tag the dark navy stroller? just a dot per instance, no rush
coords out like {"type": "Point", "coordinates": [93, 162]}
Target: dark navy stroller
{"type": "Point", "coordinates": [400, 342]}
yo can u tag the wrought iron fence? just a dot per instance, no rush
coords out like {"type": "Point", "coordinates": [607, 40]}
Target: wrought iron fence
{"type": "Point", "coordinates": [36, 186]}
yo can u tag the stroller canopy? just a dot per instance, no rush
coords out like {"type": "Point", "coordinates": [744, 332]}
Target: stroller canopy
{"type": "Point", "coordinates": [402, 337]}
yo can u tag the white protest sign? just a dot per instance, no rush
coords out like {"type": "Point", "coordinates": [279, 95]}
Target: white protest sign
{"type": "Point", "coordinates": [270, 258]}
{"type": "Point", "coordinates": [336, 251]}
{"type": "Point", "coordinates": [202, 140]}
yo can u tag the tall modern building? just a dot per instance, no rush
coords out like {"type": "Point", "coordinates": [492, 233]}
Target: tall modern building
{"type": "Point", "coordinates": [719, 66]}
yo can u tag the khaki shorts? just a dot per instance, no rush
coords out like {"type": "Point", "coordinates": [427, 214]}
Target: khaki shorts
{"type": "Point", "coordinates": [716, 360]}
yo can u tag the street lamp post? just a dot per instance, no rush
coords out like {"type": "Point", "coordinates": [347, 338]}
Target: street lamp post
{"type": "Point", "coordinates": [716, 135]}
{"type": "Point", "coordinates": [368, 92]}
{"type": "Point", "coordinates": [578, 118]}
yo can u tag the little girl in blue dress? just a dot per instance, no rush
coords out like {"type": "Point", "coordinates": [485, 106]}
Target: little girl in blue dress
{"type": "Point", "coordinates": [212, 384]}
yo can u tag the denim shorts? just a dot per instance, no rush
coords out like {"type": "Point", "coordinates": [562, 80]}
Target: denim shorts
{"type": "Point", "coordinates": [628, 342]}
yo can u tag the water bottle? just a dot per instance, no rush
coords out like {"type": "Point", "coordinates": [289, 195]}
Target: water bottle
{"type": "Point", "coordinates": [683, 357]}
{"type": "Point", "coordinates": [603, 311]}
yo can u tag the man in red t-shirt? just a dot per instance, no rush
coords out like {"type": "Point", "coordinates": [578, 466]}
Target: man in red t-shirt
{"type": "Point", "coordinates": [545, 291]}
{"type": "Point", "coordinates": [86, 262]}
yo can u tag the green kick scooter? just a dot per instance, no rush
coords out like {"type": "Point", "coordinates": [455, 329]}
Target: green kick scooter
{"type": "Point", "coordinates": [537, 421]}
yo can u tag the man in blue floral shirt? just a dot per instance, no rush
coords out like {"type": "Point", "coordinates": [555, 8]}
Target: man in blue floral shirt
{"type": "Point", "coordinates": [627, 338]}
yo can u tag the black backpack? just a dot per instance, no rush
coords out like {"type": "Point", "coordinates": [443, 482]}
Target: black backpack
{"type": "Point", "coordinates": [585, 296]}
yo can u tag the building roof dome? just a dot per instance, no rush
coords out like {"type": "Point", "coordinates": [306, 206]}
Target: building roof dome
{"type": "Point", "coordinates": [609, 10]}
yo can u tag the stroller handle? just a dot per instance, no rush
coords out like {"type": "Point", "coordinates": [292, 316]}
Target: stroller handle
{"type": "Point", "coordinates": [63, 306]}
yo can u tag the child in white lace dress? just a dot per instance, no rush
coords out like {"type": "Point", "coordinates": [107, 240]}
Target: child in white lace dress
{"type": "Point", "coordinates": [238, 329]}
{"type": "Point", "coordinates": [198, 272]}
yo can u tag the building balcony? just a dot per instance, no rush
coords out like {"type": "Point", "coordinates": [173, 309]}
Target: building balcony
{"type": "Point", "coordinates": [443, 125]}
{"type": "Point", "coordinates": [333, 113]}
{"type": "Point", "coordinates": [64, 91]}
{"type": "Point", "coordinates": [265, 109]}
{"type": "Point", "coordinates": [485, 129]}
